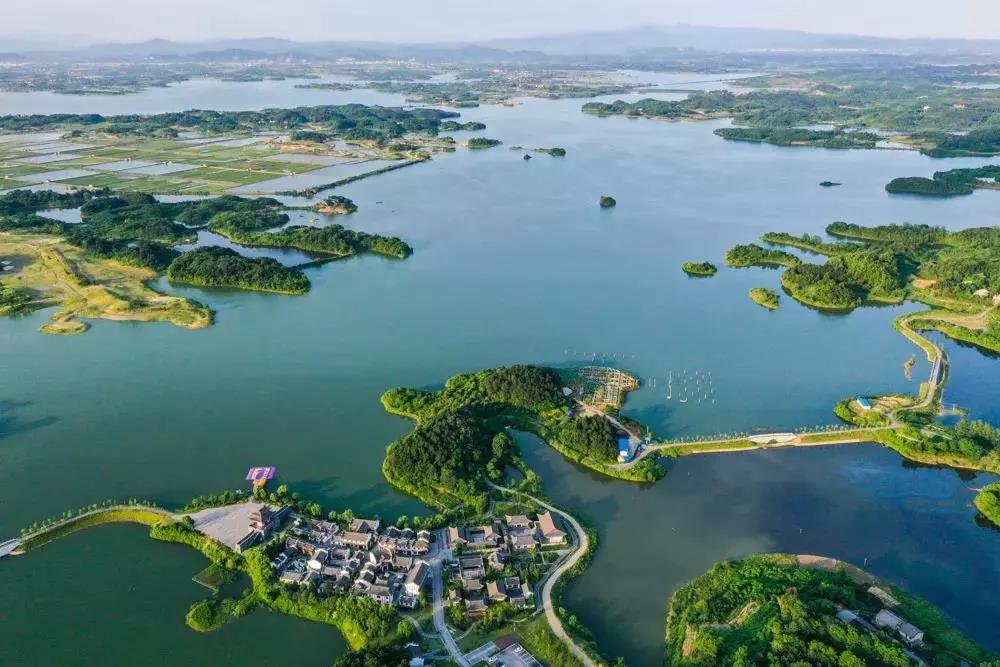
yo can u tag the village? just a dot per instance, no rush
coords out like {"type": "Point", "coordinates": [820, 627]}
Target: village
{"type": "Point", "coordinates": [499, 559]}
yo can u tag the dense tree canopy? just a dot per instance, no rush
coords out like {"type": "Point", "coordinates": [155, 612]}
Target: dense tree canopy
{"type": "Point", "coordinates": [349, 121]}
{"type": "Point", "coordinates": [767, 610]}
{"type": "Point", "coordinates": [221, 267]}
{"type": "Point", "coordinates": [591, 437]}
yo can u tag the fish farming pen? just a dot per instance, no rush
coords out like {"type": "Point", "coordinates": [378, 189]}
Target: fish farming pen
{"type": "Point", "coordinates": [601, 385]}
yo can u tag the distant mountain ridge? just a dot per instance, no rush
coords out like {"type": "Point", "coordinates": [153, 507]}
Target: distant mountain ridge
{"type": "Point", "coordinates": [607, 43]}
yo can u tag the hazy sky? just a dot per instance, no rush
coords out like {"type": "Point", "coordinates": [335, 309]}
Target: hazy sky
{"type": "Point", "coordinates": [431, 20]}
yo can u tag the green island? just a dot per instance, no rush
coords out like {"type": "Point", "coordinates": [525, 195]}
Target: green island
{"type": "Point", "coordinates": [920, 109]}
{"type": "Point", "coordinates": [947, 183]}
{"type": "Point", "coordinates": [223, 267]}
{"type": "Point", "coordinates": [699, 268]}
{"type": "Point", "coordinates": [346, 121]}
{"type": "Point", "coordinates": [783, 609]}
{"type": "Point", "coordinates": [554, 152]}
{"type": "Point", "coordinates": [958, 273]}
{"type": "Point", "coordinates": [782, 136]}
{"type": "Point", "coordinates": [454, 126]}
{"type": "Point", "coordinates": [459, 442]}
{"type": "Point", "coordinates": [335, 205]}
{"type": "Point", "coordinates": [482, 142]}
{"type": "Point", "coordinates": [333, 241]}
{"type": "Point", "coordinates": [100, 268]}
{"type": "Point", "coordinates": [988, 502]}
{"type": "Point", "coordinates": [607, 202]}
{"type": "Point", "coordinates": [752, 254]}
{"type": "Point", "coordinates": [764, 297]}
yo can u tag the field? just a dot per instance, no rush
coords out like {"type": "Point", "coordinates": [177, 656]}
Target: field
{"type": "Point", "coordinates": [209, 165]}
{"type": "Point", "coordinates": [57, 273]}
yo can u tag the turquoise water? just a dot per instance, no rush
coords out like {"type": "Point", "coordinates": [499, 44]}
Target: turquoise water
{"type": "Point", "coordinates": [514, 262]}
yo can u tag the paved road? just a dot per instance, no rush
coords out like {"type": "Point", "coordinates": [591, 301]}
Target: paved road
{"type": "Point", "coordinates": [436, 563]}
{"type": "Point", "coordinates": [583, 545]}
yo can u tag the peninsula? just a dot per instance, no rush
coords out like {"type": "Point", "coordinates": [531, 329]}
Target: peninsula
{"type": "Point", "coordinates": [99, 268]}
{"type": "Point", "coordinates": [786, 609]}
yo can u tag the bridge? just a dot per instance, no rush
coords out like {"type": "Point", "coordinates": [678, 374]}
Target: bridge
{"type": "Point", "coordinates": [9, 547]}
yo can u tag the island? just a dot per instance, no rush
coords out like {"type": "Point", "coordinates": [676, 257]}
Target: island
{"type": "Point", "coordinates": [948, 183]}
{"type": "Point", "coordinates": [453, 126]}
{"type": "Point", "coordinates": [482, 142]}
{"type": "Point", "coordinates": [988, 503]}
{"type": "Point", "coordinates": [223, 267]}
{"type": "Point", "coordinates": [765, 297]}
{"type": "Point", "coordinates": [703, 269]}
{"type": "Point", "coordinates": [779, 136]}
{"type": "Point", "coordinates": [336, 205]}
{"type": "Point", "coordinates": [824, 109]}
{"type": "Point", "coordinates": [554, 152]}
{"type": "Point", "coordinates": [607, 202]}
{"type": "Point", "coordinates": [754, 255]}
{"type": "Point", "coordinates": [800, 609]}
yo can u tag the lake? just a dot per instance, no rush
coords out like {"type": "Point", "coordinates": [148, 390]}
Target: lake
{"type": "Point", "coordinates": [514, 262]}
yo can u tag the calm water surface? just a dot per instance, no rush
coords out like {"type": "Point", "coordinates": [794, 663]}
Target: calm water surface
{"type": "Point", "coordinates": [514, 262]}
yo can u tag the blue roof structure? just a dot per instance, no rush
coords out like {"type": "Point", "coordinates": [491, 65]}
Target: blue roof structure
{"type": "Point", "coordinates": [863, 402]}
{"type": "Point", "coordinates": [623, 446]}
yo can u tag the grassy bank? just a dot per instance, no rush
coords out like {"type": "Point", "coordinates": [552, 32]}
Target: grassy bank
{"type": "Point", "coordinates": [988, 502]}
{"type": "Point", "coordinates": [144, 516]}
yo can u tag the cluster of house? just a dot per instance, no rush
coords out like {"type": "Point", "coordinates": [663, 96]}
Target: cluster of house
{"type": "Point", "coordinates": [486, 549]}
{"type": "Point", "coordinates": [518, 533]}
{"type": "Point", "coordinates": [384, 565]}
{"type": "Point", "coordinates": [885, 619]}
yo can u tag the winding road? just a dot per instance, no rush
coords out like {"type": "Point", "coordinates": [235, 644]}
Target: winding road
{"type": "Point", "coordinates": [583, 546]}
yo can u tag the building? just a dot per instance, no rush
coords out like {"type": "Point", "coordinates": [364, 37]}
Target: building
{"type": "Point", "coordinates": [363, 525]}
{"type": "Point", "coordinates": [523, 542]}
{"type": "Point", "coordinates": [380, 593]}
{"type": "Point", "coordinates": [518, 522]}
{"type": "Point", "coordinates": [864, 404]}
{"type": "Point", "coordinates": [548, 532]}
{"type": "Point", "coordinates": [263, 521]}
{"type": "Point", "coordinates": [318, 560]}
{"type": "Point", "coordinates": [475, 606]}
{"type": "Point", "coordinates": [356, 539]}
{"type": "Point", "coordinates": [471, 567]}
{"type": "Point", "coordinates": [624, 450]}
{"type": "Point", "coordinates": [497, 590]}
{"type": "Point", "coordinates": [909, 633]}
{"type": "Point", "coordinates": [415, 578]}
